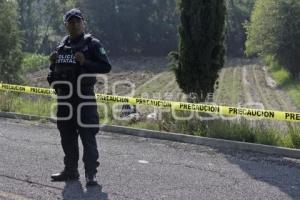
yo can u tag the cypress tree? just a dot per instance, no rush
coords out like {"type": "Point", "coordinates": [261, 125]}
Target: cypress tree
{"type": "Point", "coordinates": [201, 47]}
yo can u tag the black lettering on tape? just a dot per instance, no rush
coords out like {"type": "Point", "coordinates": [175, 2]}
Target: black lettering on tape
{"type": "Point", "coordinates": [292, 116]}
{"type": "Point", "coordinates": [233, 111]}
{"type": "Point", "coordinates": [40, 91]}
{"type": "Point", "coordinates": [152, 102]}
{"type": "Point", "coordinates": [108, 98]}
{"type": "Point", "coordinates": [251, 112]}
{"type": "Point", "coordinates": [199, 107]}
{"type": "Point", "coordinates": [13, 87]}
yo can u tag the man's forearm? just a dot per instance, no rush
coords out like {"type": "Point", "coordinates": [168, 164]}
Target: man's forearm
{"type": "Point", "coordinates": [100, 66]}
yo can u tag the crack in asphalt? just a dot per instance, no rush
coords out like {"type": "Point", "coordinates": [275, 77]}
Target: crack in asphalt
{"type": "Point", "coordinates": [27, 140]}
{"type": "Point", "coordinates": [27, 180]}
{"type": "Point", "coordinates": [191, 167]}
{"type": "Point", "coordinates": [2, 135]}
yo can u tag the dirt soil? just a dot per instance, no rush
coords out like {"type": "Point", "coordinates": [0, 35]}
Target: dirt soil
{"type": "Point", "coordinates": [242, 82]}
{"type": "Point", "coordinates": [129, 69]}
{"type": "Point", "coordinates": [247, 83]}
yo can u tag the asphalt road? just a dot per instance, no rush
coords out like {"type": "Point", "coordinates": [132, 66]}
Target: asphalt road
{"type": "Point", "coordinates": [139, 168]}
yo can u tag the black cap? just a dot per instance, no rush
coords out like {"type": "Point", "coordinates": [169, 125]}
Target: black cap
{"type": "Point", "coordinates": [73, 13]}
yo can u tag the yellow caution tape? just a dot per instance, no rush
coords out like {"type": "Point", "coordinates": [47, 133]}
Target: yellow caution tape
{"type": "Point", "coordinates": [205, 108]}
{"type": "Point", "coordinates": [27, 89]}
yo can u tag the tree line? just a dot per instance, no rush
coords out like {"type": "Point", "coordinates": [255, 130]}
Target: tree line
{"type": "Point", "coordinates": [274, 30]}
{"type": "Point", "coordinates": [126, 27]}
{"type": "Point", "coordinates": [148, 28]}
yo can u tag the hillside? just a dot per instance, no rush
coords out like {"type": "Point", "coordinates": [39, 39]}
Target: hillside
{"type": "Point", "coordinates": [136, 70]}
{"type": "Point", "coordinates": [242, 82]}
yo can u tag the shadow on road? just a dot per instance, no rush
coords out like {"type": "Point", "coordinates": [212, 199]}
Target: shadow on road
{"type": "Point", "coordinates": [281, 172]}
{"type": "Point", "coordinates": [73, 190]}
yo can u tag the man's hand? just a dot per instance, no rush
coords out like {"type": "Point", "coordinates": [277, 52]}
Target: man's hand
{"type": "Point", "coordinates": [53, 57]}
{"type": "Point", "coordinates": [79, 57]}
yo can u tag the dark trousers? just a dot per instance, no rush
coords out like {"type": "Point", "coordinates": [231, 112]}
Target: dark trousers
{"type": "Point", "coordinates": [69, 132]}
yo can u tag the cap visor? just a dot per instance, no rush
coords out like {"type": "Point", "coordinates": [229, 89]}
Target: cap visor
{"type": "Point", "coordinates": [73, 16]}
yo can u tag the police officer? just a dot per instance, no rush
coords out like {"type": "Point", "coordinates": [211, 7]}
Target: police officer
{"type": "Point", "coordinates": [77, 54]}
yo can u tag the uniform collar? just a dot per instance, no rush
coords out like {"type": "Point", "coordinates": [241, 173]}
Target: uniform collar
{"type": "Point", "coordinates": [76, 40]}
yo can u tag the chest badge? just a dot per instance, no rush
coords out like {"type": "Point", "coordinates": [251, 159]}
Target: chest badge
{"type": "Point", "coordinates": [102, 50]}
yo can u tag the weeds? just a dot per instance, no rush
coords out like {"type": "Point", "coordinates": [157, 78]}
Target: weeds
{"type": "Point", "coordinates": [238, 130]}
{"type": "Point", "coordinates": [33, 62]}
{"type": "Point", "coordinates": [284, 79]}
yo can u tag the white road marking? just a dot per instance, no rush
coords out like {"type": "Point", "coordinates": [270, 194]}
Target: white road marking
{"type": "Point", "coordinates": [143, 162]}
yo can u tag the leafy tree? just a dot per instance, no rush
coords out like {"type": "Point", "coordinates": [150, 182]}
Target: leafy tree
{"type": "Point", "coordinates": [274, 30]}
{"type": "Point", "coordinates": [41, 22]}
{"type": "Point", "coordinates": [10, 43]}
{"type": "Point", "coordinates": [127, 27]}
{"type": "Point", "coordinates": [201, 49]}
{"type": "Point", "coordinates": [238, 13]}
{"type": "Point", "coordinates": [133, 27]}
{"type": "Point", "coordinates": [52, 27]}
{"type": "Point", "coordinates": [28, 23]}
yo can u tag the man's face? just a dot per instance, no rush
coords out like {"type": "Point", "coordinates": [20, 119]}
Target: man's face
{"type": "Point", "coordinates": [75, 26]}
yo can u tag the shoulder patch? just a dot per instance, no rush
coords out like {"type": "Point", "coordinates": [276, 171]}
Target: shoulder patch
{"type": "Point", "coordinates": [62, 42]}
{"type": "Point", "coordinates": [102, 50]}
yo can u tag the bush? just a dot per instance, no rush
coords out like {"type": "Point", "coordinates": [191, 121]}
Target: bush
{"type": "Point", "coordinates": [274, 29]}
{"type": "Point", "coordinates": [231, 131]}
{"type": "Point", "coordinates": [32, 62]}
{"type": "Point", "coordinates": [238, 12]}
{"type": "Point", "coordinates": [295, 137]}
{"type": "Point", "coordinates": [10, 43]}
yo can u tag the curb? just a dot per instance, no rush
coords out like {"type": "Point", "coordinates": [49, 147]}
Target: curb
{"type": "Point", "coordinates": [12, 115]}
{"type": "Point", "coordinates": [213, 142]}
{"type": "Point", "coordinates": [177, 137]}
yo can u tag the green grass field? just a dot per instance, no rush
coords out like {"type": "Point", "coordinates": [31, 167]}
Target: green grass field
{"type": "Point", "coordinates": [284, 79]}
{"type": "Point", "coordinates": [165, 82]}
